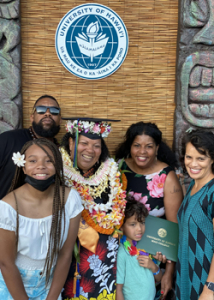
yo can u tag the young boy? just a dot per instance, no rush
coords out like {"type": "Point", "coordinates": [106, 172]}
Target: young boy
{"type": "Point", "coordinates": [136, 273]}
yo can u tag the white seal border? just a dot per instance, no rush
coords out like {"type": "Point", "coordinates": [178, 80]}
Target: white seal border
{"type": "Point", "coordinates": [91, 70]}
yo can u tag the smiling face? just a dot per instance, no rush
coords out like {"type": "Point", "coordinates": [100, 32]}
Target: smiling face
{"type": "Point", "coordinates": [143, 151]}
{"type": "Point", "coordinates": [198, 166]}
{"type": "Point", "coordinates": [133, 229]}
{"type": "Point", "coordinates": [88, 152]}
{"type": "Point", "coordinates": [38, 164]}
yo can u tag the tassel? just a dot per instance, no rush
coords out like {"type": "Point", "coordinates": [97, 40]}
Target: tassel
{"type": "Point", "coordinates": [77, 277]}
{"type": "Point", "coordinates": [76, 144]}
{"type": "Point", "coordinates": [75, 283]}
{"type": "Point", "coordinates": [78, 288]}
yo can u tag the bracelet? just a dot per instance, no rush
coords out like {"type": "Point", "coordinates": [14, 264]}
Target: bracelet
{"type": "Point", "coordinates": [158, 271]}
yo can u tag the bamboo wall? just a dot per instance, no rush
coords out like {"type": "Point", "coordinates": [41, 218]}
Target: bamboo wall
{"type": "Point", "coordinates": [141, 89]}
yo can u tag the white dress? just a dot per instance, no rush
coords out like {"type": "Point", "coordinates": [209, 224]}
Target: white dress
{"type": "Point", "coordinates": [33, 245]}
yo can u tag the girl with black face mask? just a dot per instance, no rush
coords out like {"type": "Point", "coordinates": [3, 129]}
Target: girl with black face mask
{"type": "Point", "coordinates": [39, 220]}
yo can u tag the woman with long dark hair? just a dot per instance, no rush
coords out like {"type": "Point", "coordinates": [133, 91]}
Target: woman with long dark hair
{"type": "Point", "coordinates": [148, 175]}
{"type": "Point", "coordinates": [39, 220]}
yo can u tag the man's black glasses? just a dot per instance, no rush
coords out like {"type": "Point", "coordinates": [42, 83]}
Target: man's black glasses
{"type": "Point", "coordinates": [41, 110]}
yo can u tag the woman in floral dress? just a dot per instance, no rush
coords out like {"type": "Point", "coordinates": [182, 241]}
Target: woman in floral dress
{"type": "Point", "coordinates": [97, 180]}
{"type": "Point", "coordinates": [147, 168]}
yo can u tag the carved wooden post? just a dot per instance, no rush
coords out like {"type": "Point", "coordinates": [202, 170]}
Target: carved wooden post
{"type": "Point", "coordinates": [10, 66]}
{"type": "Point", "coordinates": [195, 68]}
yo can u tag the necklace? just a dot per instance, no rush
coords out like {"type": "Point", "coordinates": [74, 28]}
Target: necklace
{"type": "Point", "coordinates": [96, 191]}
{"type": "Point", "coordinates": [34, 137]}
{"type": "Point", "coordinates": [104, 218]}
{"type": "Point", "coordinates": [132, 249]}
{"type": "Point", "coordinates": [32, 133]}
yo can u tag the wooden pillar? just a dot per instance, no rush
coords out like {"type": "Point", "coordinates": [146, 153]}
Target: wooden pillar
{"type": "Point", "coordinates": [10, 66]}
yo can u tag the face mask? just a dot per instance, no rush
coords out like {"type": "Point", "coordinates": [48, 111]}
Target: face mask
{"type": "Point", "coordinates": [40, 185]}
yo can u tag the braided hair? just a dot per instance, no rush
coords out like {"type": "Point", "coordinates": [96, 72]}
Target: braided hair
{"type": "Point", "coordinates": [58, 210]}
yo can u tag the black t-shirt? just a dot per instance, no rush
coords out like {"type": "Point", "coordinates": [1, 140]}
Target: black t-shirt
{"type": "Point", "coordinates": [10, 142]}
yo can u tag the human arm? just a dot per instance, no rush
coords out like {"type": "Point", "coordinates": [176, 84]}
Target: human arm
{"type": "Point", "coordinates": [207, 294]}
{"type": "Point", "coordinates": [8, 268]}
{"type": "Point", "coordinates": [166, 281]}
{"type": "Point", "coordinates": [119, 292]}
{"type": "Point", "coordinates": [120, 275]}
{"type": "Point", "coordinates": [181, 180]}
{"type": "Point", "coordinates": [173, 197]}
{"type": "Point", "coordinates": [64, 260]}
{"type": "Point", "coordinates": [147, 262]}
{"type": "Point", "coordinates": [169, 271]}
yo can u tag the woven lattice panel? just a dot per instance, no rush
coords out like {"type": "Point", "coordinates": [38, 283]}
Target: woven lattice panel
{"type": "Point", "coordinates": [141, 89]}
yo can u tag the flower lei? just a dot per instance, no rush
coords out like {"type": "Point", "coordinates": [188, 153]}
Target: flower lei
{"type": "Point", "coordinates": [104, 218]}
{"type": "Point", "coordinates": [100, 128]}
{"type": "Point", "coordinates": [132, 249]}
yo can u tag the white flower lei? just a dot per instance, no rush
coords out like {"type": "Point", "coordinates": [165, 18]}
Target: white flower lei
{"type": "Point", "coordinates": [110, 169]}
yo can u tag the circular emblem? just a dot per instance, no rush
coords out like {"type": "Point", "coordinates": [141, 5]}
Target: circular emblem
{"type": "Point", "coordinates": [91, 41]}
{"type": "Point", "coordinates": [162, 233]}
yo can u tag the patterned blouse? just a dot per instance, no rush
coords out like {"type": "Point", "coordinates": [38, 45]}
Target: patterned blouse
{"type": "Point", "coordinates": [148, 189]}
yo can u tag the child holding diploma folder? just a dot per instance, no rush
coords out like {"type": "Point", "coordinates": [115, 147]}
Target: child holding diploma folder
{"type": "Point", "coordinates": [136, 269]}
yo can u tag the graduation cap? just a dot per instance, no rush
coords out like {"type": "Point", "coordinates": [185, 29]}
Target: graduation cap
{"type": "Point", "coordinates": [92, 128]}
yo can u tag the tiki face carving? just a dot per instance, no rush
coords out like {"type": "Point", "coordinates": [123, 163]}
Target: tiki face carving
{"type": "Point", "coordinates": [197, 89]}
{"type": "Point", "coordinates": [195, 68]}
{"type": "Point", "coordinates": [10, 70]}
{"type": "Point", "coordinates": [196, 13]}
{"type": "Point", "coordinates": [200, 13]}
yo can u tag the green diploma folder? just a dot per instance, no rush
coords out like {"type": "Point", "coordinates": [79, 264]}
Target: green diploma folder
{"type": "Point", "coordinates": [160, 236]}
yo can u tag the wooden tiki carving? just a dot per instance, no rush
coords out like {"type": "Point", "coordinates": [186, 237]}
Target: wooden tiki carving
{"type": "Point", "coordinates": [195, 68]}
{"type": "Point", "coordinates": [10, 66]}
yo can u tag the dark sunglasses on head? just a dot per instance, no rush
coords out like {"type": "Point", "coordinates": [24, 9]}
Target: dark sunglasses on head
{"type": "Point", "coordinates": [41, 110]}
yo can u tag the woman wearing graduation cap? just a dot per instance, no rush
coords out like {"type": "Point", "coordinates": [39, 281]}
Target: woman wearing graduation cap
{"type": "Point", "coordinates": [88, 168]}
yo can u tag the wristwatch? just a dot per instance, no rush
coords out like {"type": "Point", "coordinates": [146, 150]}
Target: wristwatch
{"type": "Point", "coordinates": [210, 285]}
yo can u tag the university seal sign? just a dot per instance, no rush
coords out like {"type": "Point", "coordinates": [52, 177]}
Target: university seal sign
{"type": "Point", "coordinates": [91, 41]}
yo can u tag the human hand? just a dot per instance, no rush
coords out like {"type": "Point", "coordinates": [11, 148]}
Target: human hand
{"type": "Point", "coordinates": [146, 262]}
{"type": "Point", "coordinates": [162, 258]}
{"type": "Point", "coordinates": [206, 294]}
{"type": "Point", "coordinates": [166, 284]}
{"type": "Point", "coordinates": [206, 297]}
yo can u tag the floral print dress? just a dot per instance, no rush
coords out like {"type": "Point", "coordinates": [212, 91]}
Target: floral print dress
{"type": "Point", "coordinates": [147, 189]}
{"type": "Point", "coordinates": [98, 272]}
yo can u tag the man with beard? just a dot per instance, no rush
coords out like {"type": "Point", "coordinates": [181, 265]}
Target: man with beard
{"type": "Point", "coordinates": [45, 122]}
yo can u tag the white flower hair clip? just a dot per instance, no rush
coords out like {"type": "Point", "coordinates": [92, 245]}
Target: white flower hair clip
{"type": "Point", "coordinates": [19, 159]}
